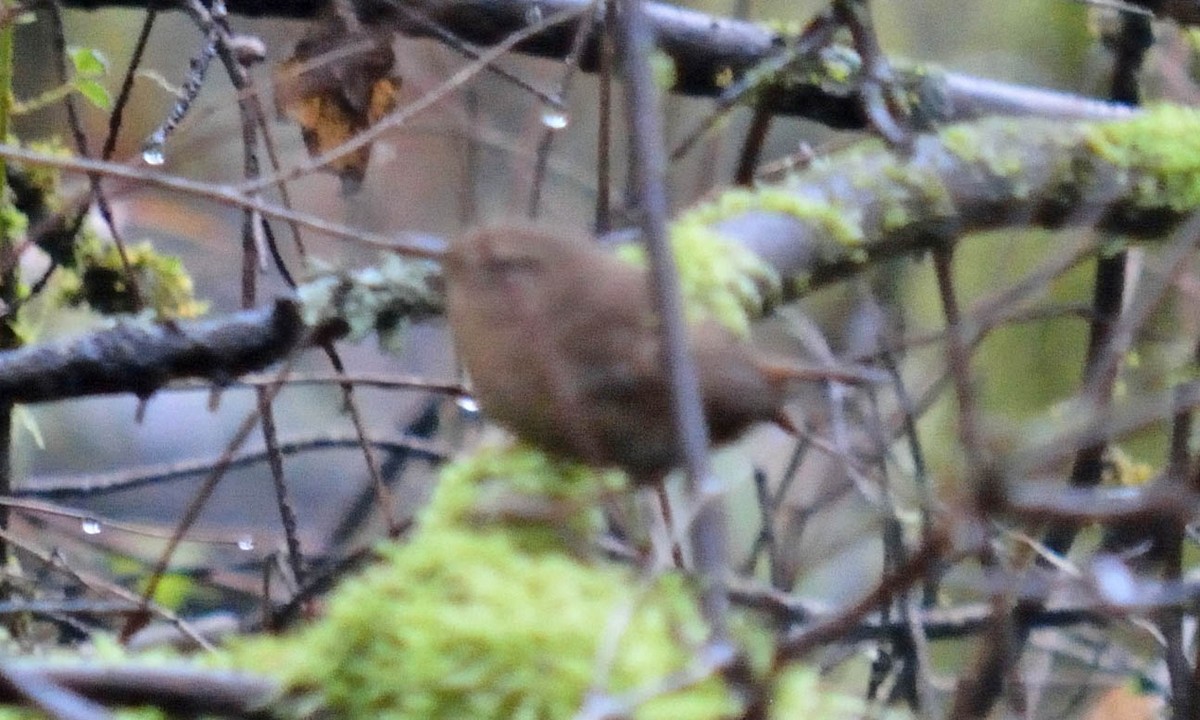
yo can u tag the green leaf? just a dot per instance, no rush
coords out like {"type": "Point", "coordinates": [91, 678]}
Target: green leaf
{"type": "Point", "coordinates": [95, 92]}
{"type": "Point", "coordinates": [88, 62]}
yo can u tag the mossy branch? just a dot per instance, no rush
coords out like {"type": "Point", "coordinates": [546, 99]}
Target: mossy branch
{"type": "Point", "coordinates": [1138, 178]}
{"type": "Point", "coordinates": [706, 50]}
{"type": "Point", "coordinates": [139, 356]}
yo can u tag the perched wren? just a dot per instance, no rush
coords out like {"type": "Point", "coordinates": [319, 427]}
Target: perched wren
{"type": "Point", "coordinates": [561, 341]}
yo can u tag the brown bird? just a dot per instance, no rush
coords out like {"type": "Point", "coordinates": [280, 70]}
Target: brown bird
{"type": "Point", "coordinates": [561, 341]}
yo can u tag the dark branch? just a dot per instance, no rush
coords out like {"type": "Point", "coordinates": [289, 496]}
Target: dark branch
{"type": "Point", "coordinates": [141, 357]}
{"type": "Point", "coordinates": [703, 47]}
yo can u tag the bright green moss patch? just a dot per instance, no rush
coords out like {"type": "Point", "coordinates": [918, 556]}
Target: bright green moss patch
{"type": "Point", "coordinates": [542, 500]}
{"type": "Point", "coordinates": [1162, 147]}
{"type": "Point", "coordinates": [721, 280]}
{"type": "Point", "coordinates": [468, 621]}
{"type": "Point", "coordinates": [960, 140]}
{"type": "Point", "coordinates": [99, 280]}
{"type": "Point", "coordinates": [13, 224]}
{"type": "Point", "coordinates": [463, 624]}
{"type": "Point", "coordinates": [839, 224]}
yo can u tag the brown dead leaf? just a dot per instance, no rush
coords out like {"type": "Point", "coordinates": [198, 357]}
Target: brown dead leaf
{"type": "Point", "coordinates": [338, 83]}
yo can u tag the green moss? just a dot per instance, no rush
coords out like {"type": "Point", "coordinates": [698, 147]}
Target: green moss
{"type": "Point", "coordinates": [98, 279]}
{"type": "Point", "coordinates": [45, 178]}
{"type": "Point", "coordinates": [896, 215]}
{"type": "Point", "coordinates": [1122, 469]}
{"type": "Point", "coordinates": [543, 500]}
{"type": "Point", "coordinates": [961, 140]}
{"type": "Point", "coordinates": [1161, 147]}
{"type": "Point", "coordinates": [730, 282]}
{"type": "Point", "coordinates": [785, 29]}
{"type": "Point", "coordinates": [464, 624]}
{"type": "Point", "coordinates": [910, 193]}
{"type": "Point", "coordinates": [13, 223]}
{"type": "Point", "coordinates": [720, 279]}
{"type": "Point", "coordinates": [993, 147]}
{"type": "Point", "coordinates": [468, 621]}
{"type": "Point", "coordinates": [839, 65]}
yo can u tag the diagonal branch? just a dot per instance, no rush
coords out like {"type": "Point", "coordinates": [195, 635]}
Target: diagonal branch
{"type": "Point", "coordinates": [1136, 178]}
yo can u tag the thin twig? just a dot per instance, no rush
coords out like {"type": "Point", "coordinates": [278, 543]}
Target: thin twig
{"type": "Point", "coordinates": [553, 123]}
{"type": "Point", "coordinates": [192, 513]}
{"type": "Point", "coordinates": [216, 192]}
{"type": "Point", "coordinates": [54, 559]}
{"type": "Point", "coordinates": [708, 530]}
{"type": "Point", "coordinates": [134, 478]}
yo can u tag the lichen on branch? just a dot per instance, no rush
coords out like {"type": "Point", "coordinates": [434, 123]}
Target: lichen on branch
{"type": "Point", "coordinates": [1138, 177]}
{"type": "Point", "coordinates": [745, 249]}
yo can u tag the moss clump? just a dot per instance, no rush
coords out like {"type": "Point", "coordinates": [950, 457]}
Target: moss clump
{"type": "Point", "coordinates": [99, 280]}
{"type": "Point", "coordinates": [13, 224]}
{"type": "Point", "coordinates": [720, 279]}
{"type": "Point", "coordinates": [47, 180]}
{"type": "Point", "coordinates": [729, 283]}
{"type": "Point", "coordinates": [1161, 149]}
{"type": "Point", "coordinates": [1124, 470]}
{"type": "Point", "coordinates": [475, 621]}
{"type": "Point", "coordinates": [839, 224]}
{"type": "Point", "coordinates": [541, 500]}
{"type": "Point", "coordinates": [463, 624]}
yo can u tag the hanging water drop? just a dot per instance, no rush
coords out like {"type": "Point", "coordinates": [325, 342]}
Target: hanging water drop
{"type": "Point", "coordinates": [154, 150]}
{"type": "Point", "coordinates": [90, 526]}
{"type": "Point", "coordinates": [153, 154]}
{"type": "Point", "coordinates": [467, 404]}
{"type": "Point", "coordinates": [245, 543]}
{"type": "Point", "coordinates": [533, 14]}
{"type": "Point", "coordinates": [555, 119]}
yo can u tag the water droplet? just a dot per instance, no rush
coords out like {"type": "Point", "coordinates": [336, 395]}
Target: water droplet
{"type": "Point", "coordinates": [467, 404]}
{"type": "Point", "coordinates": [90, 526]}
{"type": "Point", "coordinates": [533, 14]}
{"type": "Point", "coordinates": [154, 148]}
{"type": "Point", "coordinates": [555, 119]}
{"type": "Point", "coordinates": [153, 153]}
{"type": "Point", "coordinates": [245, 543]}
